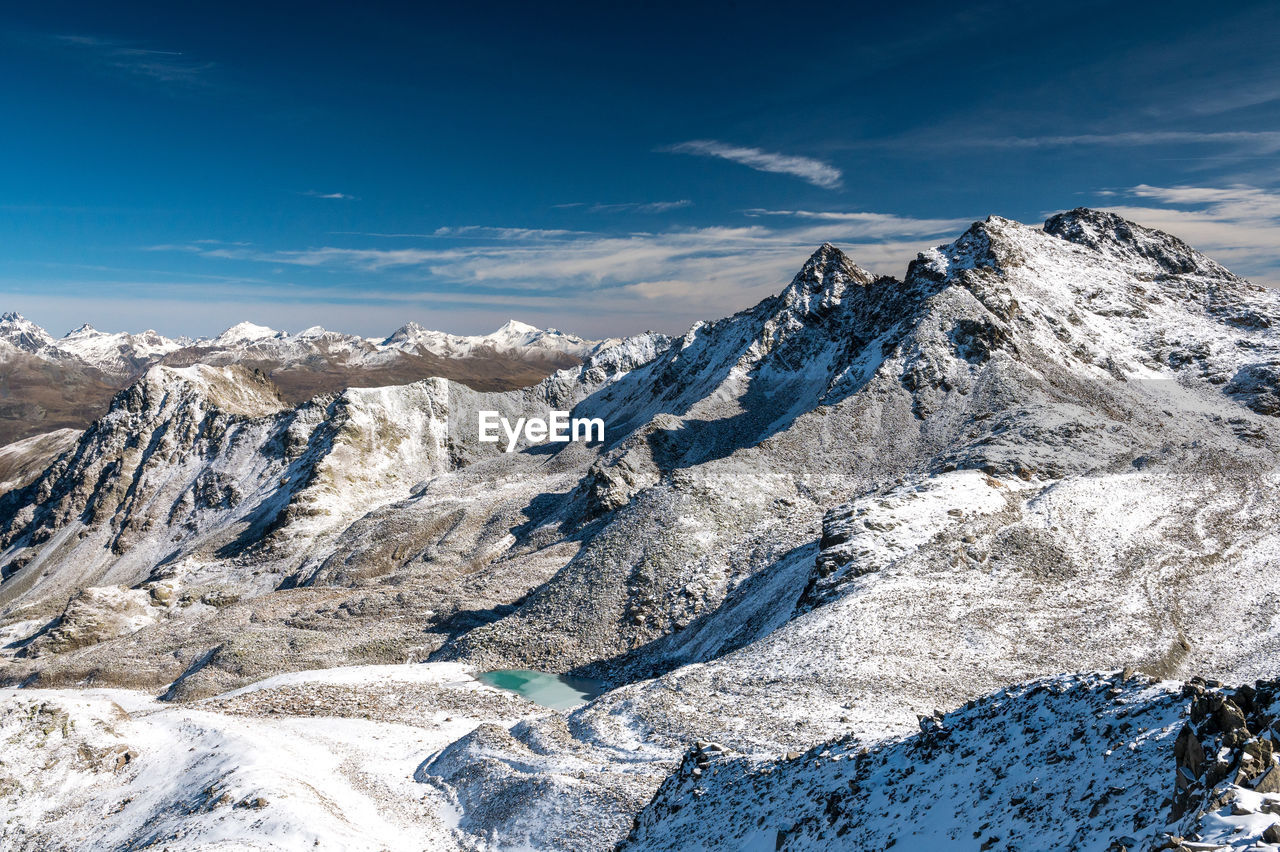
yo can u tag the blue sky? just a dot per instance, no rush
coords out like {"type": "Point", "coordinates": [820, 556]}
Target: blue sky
{"type": "Point", "coordinates": [598, 168]}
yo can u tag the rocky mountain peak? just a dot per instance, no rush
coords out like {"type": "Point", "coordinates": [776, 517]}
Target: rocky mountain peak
{"type": "Point", "coordinates": [22, 332]}
{"type": "Point", "coordinates": [829, 266]}
{"type": "Point", "coordinates": [1120, 239]}
{"type": "Point", "coordinates": [824, 279]}
{"type": "Point", "coordinates": [406, 332]}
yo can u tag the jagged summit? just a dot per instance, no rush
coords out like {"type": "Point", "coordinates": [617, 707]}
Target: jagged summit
{"type": "Point", "coordinates": [1118, 238]}
{"type": "Point", "coordinates": [408, 331]}
{"type": "Point", "coordinates": [828, 268]}
{"type": "Point", "coordinates": [999, 244]}
{"type": "Point", "coordinates": [232, 389]}
{"type": "Point", "coordinates": [23, 333]}
{"type": "Point", "coordinates": [823, 282]}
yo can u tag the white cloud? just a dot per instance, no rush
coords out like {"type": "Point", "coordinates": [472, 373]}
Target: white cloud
{"type": "Point", "coordinates": [612, 283]}
{"type": "Point", "coordinates": [337, 196]}
{"type": "Point", "coordinates": [1258, 142]}
{"type": "Point", "coordinates": [371, 260]}
{"type": "Point", "coordinates": [872, 225]}
{"type": "Point", "coordinates": [814, 171]}
{"type": "Point", "coordinates": [489, 233]}
{"type": "Point", "coordinates": [470, 277]}
{"type": "Point", "coordinates": [640, 207]}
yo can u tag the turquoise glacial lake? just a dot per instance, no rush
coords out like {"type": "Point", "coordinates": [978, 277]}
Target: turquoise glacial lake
{"type": "Point", "coordinates": [559, 692]}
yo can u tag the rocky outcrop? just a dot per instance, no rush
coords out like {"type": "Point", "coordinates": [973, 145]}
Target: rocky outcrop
{"type": "Point", "coordinates": [1231, 742]}
{"type": "Point", "coordinates": [1258, 386]}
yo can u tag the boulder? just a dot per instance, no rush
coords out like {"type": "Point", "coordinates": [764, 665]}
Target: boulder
{"type": "Point", "coordinates": [1190, 757]}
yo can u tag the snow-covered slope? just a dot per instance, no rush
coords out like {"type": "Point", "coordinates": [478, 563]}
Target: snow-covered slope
{"type": "Point", "coordinates": [22, 461]}
{"type": "Point", "coordinates": [1084, 762]}
{"type": "Point", "coordinates": [114, 769]}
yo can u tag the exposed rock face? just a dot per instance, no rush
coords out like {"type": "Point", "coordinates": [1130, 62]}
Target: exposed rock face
{"type": "Point", "coordinates": [1239, 730]}
{"type": "Point", "coordinates": [1258, 386]}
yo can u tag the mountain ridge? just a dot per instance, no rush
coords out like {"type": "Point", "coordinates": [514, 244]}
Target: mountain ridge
{"type": "Point", "coordinates": [859, 501]}
{"type": "Point", "coordinates": [106, 351]}
{"type": "Point", "coordinates": [39, 369]}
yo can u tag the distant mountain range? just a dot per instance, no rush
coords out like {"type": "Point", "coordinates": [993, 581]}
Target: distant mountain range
{"type": "Point", "coordinates": [962, 559]}
{"type": "Point", "coordinates": [49, 383]}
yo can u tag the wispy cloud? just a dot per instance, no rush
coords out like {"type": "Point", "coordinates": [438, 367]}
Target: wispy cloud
{"type": "Point", "coordinates": [626, 206]}
{"type": "Point", "coordinates": [1260, 142]}
{"type": "Point", "coordinates": [665, 278]}
{"type": "Point", "coordinates": [814, 171]}
{"type": "Point", "coordinates": [485, 232]}
{"type": "Point", "coordinates": [160, 66]}
{"type": "Point", "coordinates": [1238, 225]}
{"type": "Point", "coordinates": [871, 225]}
{"type": "Point", "coordinates": [1237, 203]}
{"type": "Point", "coordinates": [337, 196]}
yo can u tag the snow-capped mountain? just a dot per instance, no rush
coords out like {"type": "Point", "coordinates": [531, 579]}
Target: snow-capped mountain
{"type": "Point", "coordinates": [120, 354]}
{"type": "Point", "coordinates": [311, 362]}
{"type": "Point", "coordinates": [20, 333]}
{"type": "Point", "coordinates": [511, 337]}
{"type": "Point", "coordinates": [815, 529]}
{"type": "Point", "coordinates": [247, 334]}
{"type": "Point", "coordinates": [127, 355]}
